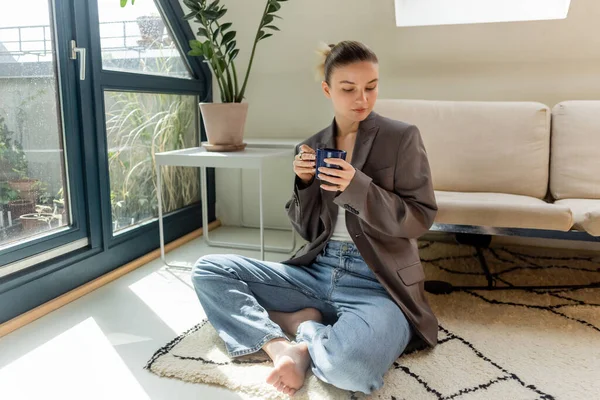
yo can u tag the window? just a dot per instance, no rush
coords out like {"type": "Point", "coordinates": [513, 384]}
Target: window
{"type": "Point", "coordinates": [34, 192]}
{"type": "Point", "coordinates": [77, 144]}
{"type": "Point", "coordinates": [144, 114]}
{"type": "Point", "coordinates": [138, 125]}
{"type": "Point", "coordinates": [448, 12]}
{"type": "Point", "coordinates": [136, 38]}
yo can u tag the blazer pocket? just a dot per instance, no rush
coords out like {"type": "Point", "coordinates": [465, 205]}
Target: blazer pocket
{"type": "Point", "coordinates": [411, 274]}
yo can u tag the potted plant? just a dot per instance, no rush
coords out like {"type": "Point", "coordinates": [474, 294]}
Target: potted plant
{"type": "Point", "coordinates": [17, 192]}
{"type": "Point", "coordinates": [225, 122]}
{"type": "Point", "coordinates": [13, 164]}
{"type": "Point", "coordinates": [41, 220]}
{"type": "Point", "coordinates": [60, 207]}
{"type": "Point", "coordinates": [7, 195]}
{"type": "Point", "coordinates": [151, 28]}
{"type": "Point", "coordinates": [10, 201]}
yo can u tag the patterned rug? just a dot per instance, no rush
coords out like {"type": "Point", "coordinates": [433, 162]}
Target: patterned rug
{"type": "Point", "coordinates": [509, 344]}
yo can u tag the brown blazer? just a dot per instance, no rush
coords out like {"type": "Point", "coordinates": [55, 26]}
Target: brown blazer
{"type": "Point", "coordinates": [389, 203]}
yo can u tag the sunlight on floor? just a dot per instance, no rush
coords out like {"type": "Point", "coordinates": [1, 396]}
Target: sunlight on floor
{"type": "Point", "coordinates": [169, 293]}
{"type": "Point", "coordinates": [88, 367]}
{"type": "Point", "coordinates": [97, 346]}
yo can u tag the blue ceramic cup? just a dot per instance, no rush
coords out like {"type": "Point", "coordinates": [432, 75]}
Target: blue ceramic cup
{"type": "Point", "coordinates": [322, 154]}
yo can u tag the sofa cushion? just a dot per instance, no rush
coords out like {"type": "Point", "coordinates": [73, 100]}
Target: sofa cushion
{"type": "Point", "coordinates": [575, 163]}
{"type": "Point", "coordinates": [500, 147]}
{"type": "Point", "coordinates": [586, 214]}
{"type": "Point", "coordinates": [501, 210]}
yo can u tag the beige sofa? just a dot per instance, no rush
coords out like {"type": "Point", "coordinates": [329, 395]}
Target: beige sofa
{"type": "Point", "coordinates": [575, 163]}
{"type": "Point", "coordinates": [492, 163]}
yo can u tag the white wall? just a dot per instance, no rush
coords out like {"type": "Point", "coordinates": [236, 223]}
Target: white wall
{"type": "Point", "coordinates": [546, 61]}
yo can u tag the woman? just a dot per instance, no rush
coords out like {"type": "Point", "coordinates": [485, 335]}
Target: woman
{"type": "Point", "coordinates": [353, 296]}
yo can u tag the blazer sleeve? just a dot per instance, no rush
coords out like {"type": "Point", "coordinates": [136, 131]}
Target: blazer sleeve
{"type": "Point", "coordinates": [304, 208]}
{"type": "Point", "coordinates": [408, 211]}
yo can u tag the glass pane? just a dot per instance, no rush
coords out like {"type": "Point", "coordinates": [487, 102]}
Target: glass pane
{"type": "Point", "coordinates": [444, 12]}
{"type": "Point", "coordinates": [136, 38]}
{"type": "Point", "coordinates": [137, 126]}
{"type": "Point", "coordinates": [33, 191]}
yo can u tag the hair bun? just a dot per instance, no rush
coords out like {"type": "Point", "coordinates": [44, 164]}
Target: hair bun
{"type": "Point", "coordinates": [323, 52]}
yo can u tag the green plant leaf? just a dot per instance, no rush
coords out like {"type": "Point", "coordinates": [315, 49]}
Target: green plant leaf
{"type": "Point", "coordinates": [190, 15]}
{"type": "Point", "coordinates": [267, 19]}
{"type": "Point", "coordinates": [222, 12]}
{"type": "Point", "coordinates": [213, 5]}
{"type": "Point", "coordinates": [195, 44]}
{"type": "Point", "coordinates": [229, 36]}
{"type": "Point", "coordinates": [196, 53]}
{"type": "Point", "coordinates": [225, 26]}
{"type": "Point", "coordinates": [203, 32]}
{"type": "Point", "coordinates": [273, 7]}
{"type": "Point", "coordinates": [123, 3]}
{"type": "Point", "coordinates": [207, 49]}
{"type": "Point", "coordinates": [216, 32]}
{"type": "Point", "coordinates": [230, 46]}
{"type": "Point", "coordinates": [272, 27]}
{"type": "Point", "coordinates": [192, 5]}
{"type": "Point", "coordinates": [265, 36]}
{"type": "Point", "coordinates": [209, 15]}
{"type": "Point", "coordinates": [234, 54]}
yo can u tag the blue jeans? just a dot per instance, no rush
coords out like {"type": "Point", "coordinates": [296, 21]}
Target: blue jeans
{"type": "Point", "coordinates": [363, 331]}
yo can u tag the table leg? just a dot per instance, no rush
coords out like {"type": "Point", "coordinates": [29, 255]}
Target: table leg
{"type": "Point", "coordinates": [204, 200]}
{"type": "Point", "coordinates": [244, 224]}
{"type": "Point", "coordinates": [245, 246]}
{"type": "Point", "coordinates": [261, 216]}
{"type": "Point", "coordinates": [161, 232]}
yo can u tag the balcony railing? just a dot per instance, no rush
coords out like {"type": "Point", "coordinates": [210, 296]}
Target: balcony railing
{"type": "Point", "coordinates": [36, 40]}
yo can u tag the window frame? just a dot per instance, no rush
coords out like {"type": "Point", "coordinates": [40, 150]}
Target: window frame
{"type": "Point", "coordinates": [26, 289]}
{"type": "Point", "coordinates": [69, 122]}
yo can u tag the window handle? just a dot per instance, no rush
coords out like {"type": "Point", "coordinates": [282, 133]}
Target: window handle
{"type": "Point", "coordinates": [74, 51]}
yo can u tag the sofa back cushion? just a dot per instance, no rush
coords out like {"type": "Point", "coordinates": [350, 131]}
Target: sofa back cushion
{"type": "Point", "coordinates": [500, 147]}
{"type": "Point", "coordinates": [575, 156]}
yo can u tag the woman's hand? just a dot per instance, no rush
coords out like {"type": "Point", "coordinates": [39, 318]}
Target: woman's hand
{"type": "Point", "coordinates": [304, 164]}
{"type": "Point", "coordinates": [340, 178]}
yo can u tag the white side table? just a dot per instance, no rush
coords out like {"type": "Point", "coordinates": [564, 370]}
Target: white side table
{"type": "Point", "coordinates": [269, 143]}
{"type": "Point", "coordinates": [250, 158]}
{"type": "Point", "coordinates": [273, 143]}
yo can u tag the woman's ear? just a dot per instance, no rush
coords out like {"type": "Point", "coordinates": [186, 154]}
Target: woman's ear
{"type": "Point", "coordinates": [326, 89]}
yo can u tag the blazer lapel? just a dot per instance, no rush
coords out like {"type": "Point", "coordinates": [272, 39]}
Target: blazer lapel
{"type": "Point", "coordinates": [367, 131]}
{"type": "Point", "coordinates": [330, 214]}
{"type": "Point", "coordinates": [328, 138]}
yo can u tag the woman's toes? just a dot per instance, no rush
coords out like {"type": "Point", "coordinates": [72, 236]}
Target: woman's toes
{"type": "Point", "coordinates": [273, 378]}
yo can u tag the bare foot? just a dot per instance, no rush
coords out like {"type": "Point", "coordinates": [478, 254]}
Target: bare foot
{"type": "Point", "coordinates": [289, 321]}
{"type": "Point", "coordinates": [290, 364]}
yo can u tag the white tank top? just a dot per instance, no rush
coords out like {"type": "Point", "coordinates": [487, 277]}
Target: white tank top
{"type": "Point", "coordinates": [340, 231]}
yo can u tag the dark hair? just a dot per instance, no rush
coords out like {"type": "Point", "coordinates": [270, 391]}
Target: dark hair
{"type": "Point", "coordinates": [344, 53]}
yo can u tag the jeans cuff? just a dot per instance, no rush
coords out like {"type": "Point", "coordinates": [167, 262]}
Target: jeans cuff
{"type": "Point", "coordinates": [257, 346]}
{"type": "Point", "coordinates": [307, 330]}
